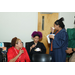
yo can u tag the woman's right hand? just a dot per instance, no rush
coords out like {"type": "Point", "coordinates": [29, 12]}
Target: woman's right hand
{"type": "Point", "coordinates": [20, 52]}
{"type": "Point", "coordinates": [32, 47]}
{"type": "Point", "coordinates": [52, 30]}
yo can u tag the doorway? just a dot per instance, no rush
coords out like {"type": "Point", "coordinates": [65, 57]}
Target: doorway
{"type": "Point", "coordinates": [45, 22]}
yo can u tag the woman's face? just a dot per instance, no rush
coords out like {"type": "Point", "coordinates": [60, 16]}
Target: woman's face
{"type": "Point", "coordinates": [36, 39]}
{"type": "Point", "coordinates": [56, 27]}
{"type": "Point", "coordinates": [19, 45]}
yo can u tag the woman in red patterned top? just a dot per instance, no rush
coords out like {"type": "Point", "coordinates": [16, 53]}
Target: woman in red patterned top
{"type": "Point", "coordinates": [17, 53]}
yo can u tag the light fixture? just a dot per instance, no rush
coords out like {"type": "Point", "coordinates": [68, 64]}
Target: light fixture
{"type": "Point", "coordinates": [47, 12]}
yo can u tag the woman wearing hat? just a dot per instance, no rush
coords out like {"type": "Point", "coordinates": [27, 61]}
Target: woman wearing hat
{"type": "Point", "coordinates": [35, 46]}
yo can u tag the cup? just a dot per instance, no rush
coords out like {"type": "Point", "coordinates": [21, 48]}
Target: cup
{"type": "Point", "coordinates": [53, 27]}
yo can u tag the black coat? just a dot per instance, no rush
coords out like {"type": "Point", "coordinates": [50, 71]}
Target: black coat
{"type": "Point", "coordinates": [39, 45]}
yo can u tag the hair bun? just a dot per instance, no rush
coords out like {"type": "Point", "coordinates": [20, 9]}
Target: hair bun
{"type": "Point", "coordinates": [61, 19]}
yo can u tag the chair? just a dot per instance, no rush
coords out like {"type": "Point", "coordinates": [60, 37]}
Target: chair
{"type": "Point", "coordinates": [1, 57]}
{"type": "Point", "coordinates": [7, 44]}
{"type": "Point", "coordinates": [27, 46]}
{"type": "Point", "coordinates": [41, 58]}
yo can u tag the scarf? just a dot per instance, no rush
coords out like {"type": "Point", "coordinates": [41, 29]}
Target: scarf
{"type": "Point", "coordinates": [52, 43]}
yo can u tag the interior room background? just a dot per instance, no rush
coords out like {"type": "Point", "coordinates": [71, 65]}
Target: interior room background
{"type": "Point", "coordinates": [22, 24]}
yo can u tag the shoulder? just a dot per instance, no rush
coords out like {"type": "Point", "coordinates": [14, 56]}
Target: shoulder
{"type": "Point", "coordinates": [10, 50]}
{"type": "Point", "coordinates": [63, 33]}
{"type": "Point", "coordinates": [30, 43]}
{"type": "Point", "coordinates": [40, 43]}
{"type": "Point", "coordinates": [24, 49]}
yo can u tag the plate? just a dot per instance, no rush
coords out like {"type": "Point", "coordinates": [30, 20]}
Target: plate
{"type": "Point", "coordinates": [37, 49]}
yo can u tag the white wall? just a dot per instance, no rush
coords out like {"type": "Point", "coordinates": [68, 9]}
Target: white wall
{"type": "Point", "coordinates": [22, 24]}
{"type": "Point", "coordinates": [17, 24]}
{"type": "Point", "coordinates": [68, 19]}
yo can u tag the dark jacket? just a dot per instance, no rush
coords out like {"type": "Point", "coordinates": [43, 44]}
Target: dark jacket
{"type": "Point", "coordinates": [60, 44]}
{"type": "Point", "coordinates": [39, 45]}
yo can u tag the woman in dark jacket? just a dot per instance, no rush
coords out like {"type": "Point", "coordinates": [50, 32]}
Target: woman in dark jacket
{"type": "Point", "coordinates": [35, 46]}
{"type": "Point", "coordinates": [59, 42]}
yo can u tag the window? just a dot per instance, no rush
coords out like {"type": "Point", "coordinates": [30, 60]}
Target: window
{"type": "Point", "coordinates": [42, 22]}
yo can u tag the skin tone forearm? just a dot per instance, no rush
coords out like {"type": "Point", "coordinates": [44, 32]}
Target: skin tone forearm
{"type": "Point", "coordinates": [69, 50]}
{"type": "Point", "coordinates": [15, 58]}
{"type": "Point", "coordinates": [32, 47]}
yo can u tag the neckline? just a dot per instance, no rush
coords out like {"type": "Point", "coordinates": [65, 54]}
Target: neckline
{"type": "Point", "coordinates": [16, 49]}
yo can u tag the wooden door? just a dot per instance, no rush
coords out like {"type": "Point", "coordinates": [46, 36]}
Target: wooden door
{"type": "Point", "coordinates": [45, 22]}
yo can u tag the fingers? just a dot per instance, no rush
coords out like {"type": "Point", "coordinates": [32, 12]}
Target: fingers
{"type": "Point", "coordinates": [22, 51]}
{"type": "Point", "coordinates": [33, 45]}
{"type": "Point", "coordinates": [51, 28]}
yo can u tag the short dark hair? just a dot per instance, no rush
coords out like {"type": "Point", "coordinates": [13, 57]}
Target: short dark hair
{"type": "Point", "coordinates": [60, 22]}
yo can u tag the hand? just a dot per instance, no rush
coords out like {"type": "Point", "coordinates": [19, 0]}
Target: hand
{"type": "Point", "coordinates": [51, 36]}
{"type": "Point", "coordinates": [33, 46]}
{"type": "Point", "coordinates": [52, 30]}
{"type": "Point", "coordinates": [21, 51]}
{"type": "Point", "coordinates": [74, 49]}
{"type": "Point", "coordinates": [69, 50]}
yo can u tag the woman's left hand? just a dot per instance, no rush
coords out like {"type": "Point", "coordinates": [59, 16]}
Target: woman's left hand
{"type": "Point", "coordinates": [51, 36]}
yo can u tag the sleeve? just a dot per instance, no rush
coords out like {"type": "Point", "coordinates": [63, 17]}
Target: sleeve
{"type": "Point", "coordinates": [50, 38]}
{"type": "Point", "coordinates": [27, 56]}
{"type": "Point", "coordinates": [59, 41]}
{"type": "Point", "coordinates": [28, 49]}
{"type": "Point", "coordinates": [43, 48]}
{"type": "Point", "coordinates": [32, 51]}
{"type": "Point", "coordinates": [10, 54]}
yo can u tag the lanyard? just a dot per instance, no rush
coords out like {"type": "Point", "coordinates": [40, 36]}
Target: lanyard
{"type": "Point", "coordinates": [17, 53]}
